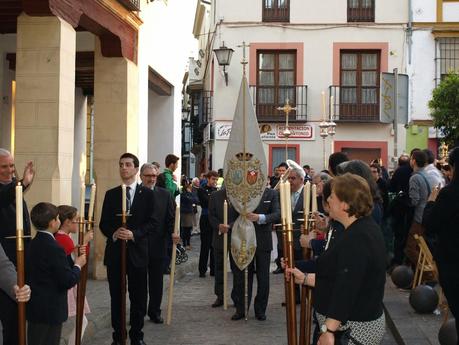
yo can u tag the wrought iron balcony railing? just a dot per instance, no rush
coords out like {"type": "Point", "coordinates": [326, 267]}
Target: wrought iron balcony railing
{"type": "Point", "coordinates": [132, 5]}
{"type": "Point", "coordinates": [355, 104]}
{"type": "Point", "coordinates": [267, 99]}
{"type": "Point", "coordinates": [360, 10]}
{"type": "Point", "coordinates": [276, 10]}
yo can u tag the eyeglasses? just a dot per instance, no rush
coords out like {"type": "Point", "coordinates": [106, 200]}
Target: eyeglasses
{"type": "Point", "coordinates": [151, 176]}
{"type": "Point", "coordinates": [292, 177]}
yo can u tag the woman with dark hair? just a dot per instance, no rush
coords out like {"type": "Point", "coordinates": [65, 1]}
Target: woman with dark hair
{"type": "Point", "coordinates": [350, 278]}
{"type": "Point", "coordinates": [362, 169]}
{"type": "Point", "coordinates": [441, 219]}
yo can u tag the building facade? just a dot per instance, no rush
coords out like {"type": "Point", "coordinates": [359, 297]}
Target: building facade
{"type": "Point", "coordinates": [432, 52]}
{"type": "Point", "coordinates": [89, 78]}
{"type": "Point", "coordinates": [299, 51]}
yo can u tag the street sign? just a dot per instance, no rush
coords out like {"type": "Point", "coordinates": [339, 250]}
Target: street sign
{"type": "Point", "coordinates": [387, 97]}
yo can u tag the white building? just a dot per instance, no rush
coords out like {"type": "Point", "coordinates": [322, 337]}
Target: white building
{"type": "Point", "coordinates": [432, 52]}
{"type": "Point", "coordinates": [298, 50]}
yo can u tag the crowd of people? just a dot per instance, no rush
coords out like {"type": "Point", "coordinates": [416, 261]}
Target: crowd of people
{"type": "Point", "coordinates": [365, 224]}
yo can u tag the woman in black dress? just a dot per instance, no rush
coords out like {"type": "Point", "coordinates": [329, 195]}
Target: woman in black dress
{"type": "Point", "coordinates": [350, 278]}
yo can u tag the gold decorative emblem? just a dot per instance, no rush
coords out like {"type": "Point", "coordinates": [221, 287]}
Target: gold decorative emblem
{"type": "Point", "coordinates": [254, 178]}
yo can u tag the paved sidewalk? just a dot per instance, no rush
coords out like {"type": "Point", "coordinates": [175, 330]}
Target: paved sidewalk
{"type": "Point", "coordinates": [195, 322]}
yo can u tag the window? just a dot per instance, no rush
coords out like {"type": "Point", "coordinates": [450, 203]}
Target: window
{"type": "Point", "coordinates": [276, 10]}
{"type": "Point", "coordinates": [278, 154]}
{"type": "Point", "coordinates": [360, 10]}
{"type": "Point", "coordinates": [359, 85]}
{"type": "Point", "coordinates": [446, 57]}
{"type": "Point", "coordinates": [276, 79]}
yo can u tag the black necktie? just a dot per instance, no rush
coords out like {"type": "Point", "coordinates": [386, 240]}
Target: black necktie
{"type": "Point", "coordinates": [128, 197]}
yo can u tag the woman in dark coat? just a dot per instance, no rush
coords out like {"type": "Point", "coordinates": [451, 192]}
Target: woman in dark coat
{"type": "Point", "coordinates": [350, 278]}
{"type": "Point", "coordinates": [441, 219]}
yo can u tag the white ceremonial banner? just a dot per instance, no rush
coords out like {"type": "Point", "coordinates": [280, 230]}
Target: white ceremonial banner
{"type": "Point", "coordinates": [245, 180]}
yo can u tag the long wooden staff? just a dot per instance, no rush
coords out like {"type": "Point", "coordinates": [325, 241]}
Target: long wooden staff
{"type": "Point", "coordinates": [172, 274]}
{"type": "Point", "coordinates": [81, 287]}
{"type": "Point", "coordinates": [123, 268]}
{"type": "Point", "coordinates": [20, 264]}
{"type": "Point", "coordinates": [225, 257]}
{"type": "Point", "coordinates": [306, 291]}
{"type": "Point", "coordinates": [287, 235]}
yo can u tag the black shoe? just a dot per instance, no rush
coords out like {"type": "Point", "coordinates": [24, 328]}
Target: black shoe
{"type": "Point", "coordinates": [202, 275]}
{"type": "Point", "coordinates": [261, 317]}
{"type": "Point", "coordinates": [218, 303]}
{"type": "Point", "coordinates": [212, 274]}
{"type": "Point", "coordinates": [168, 271]}
{"type": "Point", "coordinates": [237, 316]}
{"type": "Point", "coordinates": [138, 342]}
{"type": "Point", "coordinates": [116, 343]}
{"type": "Point", "coordinates": [157, 319]}
{"type": "Point", "coordinates": [278, 270]}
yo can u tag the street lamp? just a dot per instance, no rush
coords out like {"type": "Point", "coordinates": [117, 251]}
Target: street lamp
{"type": "Point", "coordinates": [224, 55]}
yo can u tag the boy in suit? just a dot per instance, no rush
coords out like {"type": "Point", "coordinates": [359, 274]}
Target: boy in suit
{"type": "Point", "coordinates": [49, 276]}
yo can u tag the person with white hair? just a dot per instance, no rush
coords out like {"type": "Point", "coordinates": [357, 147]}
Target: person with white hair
{"type": "Point", "coordinates": [8, 178]}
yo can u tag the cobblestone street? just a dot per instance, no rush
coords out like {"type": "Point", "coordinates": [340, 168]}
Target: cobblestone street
{"type": "Point", "coordinates": [195, 322]}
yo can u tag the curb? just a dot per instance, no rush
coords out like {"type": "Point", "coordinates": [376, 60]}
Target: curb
{"type": "Point", "coordinates": [393, 329]}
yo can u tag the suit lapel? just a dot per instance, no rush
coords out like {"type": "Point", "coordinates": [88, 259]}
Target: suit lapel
{"type": "Point", "coordinates": [137, 195]}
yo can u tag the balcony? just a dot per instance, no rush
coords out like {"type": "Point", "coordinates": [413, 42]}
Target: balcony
{"type": "Point", "coordinates": [276, 11]}
{"type": "Point", "coordinates": [131, 5]}
{"type": "Point", "coordinates": [360, 11]}
{"type": "Point", "coordinates": [263, 99]}
{"type": "Point", "coordinates": [352, 104]}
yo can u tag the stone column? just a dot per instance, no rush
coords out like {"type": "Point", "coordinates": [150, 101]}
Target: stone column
{"type": "Point", "coordinates": [116, 93]}
{"type": "Point", "coordinates": [45, 91]}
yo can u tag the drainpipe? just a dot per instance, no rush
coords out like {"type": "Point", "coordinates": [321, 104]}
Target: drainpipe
{"type": "Point", "coordinates": [409, 30]}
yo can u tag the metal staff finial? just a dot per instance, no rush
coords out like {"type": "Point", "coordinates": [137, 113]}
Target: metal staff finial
{"type": "Point", "coordinates": [244, 61]}
{"type": "Point", "coordinates": [287, 108]}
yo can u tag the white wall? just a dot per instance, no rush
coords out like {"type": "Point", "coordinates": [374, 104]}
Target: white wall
{"type": "Point", "coordinates": [160, 127]}
{"type": "Point", "coordinates": [301, 11]}
{"type": "Point", "coordinates": [165, 43]}
{"type": "Point", "coordinates": [450, 12]}
{"type": "Point", "coordinates": [424, 10]}
{"type": "Point", "coordinates": [422, 74]}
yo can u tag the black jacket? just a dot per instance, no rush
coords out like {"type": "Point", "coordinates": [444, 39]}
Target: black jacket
{"type": "Point", "coordinates": [49, 276]}
{"type": "Point", "coordinates": [216, 201]}
{"type": "Point", "coordinates": [140, 223]}
{"type": "Point", "coordinates": [8, 220]}
{"type": "Point", "coordinates": [163, 223]}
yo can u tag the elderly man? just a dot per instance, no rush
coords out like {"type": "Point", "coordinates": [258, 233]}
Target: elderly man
{"type": "Point", "coordinates": [8, 308]}
{"type": "Point", "coordinates": [149, 174]}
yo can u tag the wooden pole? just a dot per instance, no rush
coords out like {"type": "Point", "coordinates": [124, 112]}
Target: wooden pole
{"type": "Point", "coordinates": [81, 286]}
{"type": "Point", "coordinates": [123, 268]}
{"type": "Point", "coordinates": [20, 263]}
{"type": "Point", "coordinates": [225, 257]}
{"type": "Point", "coordinates": [172, 274]}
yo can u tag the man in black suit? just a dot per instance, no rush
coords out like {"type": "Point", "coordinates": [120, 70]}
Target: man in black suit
{"type": "Point", "coordinates": [8, 307]}
{"type": "Point", "coordinates": [216, 202]}
{"type": "Point", "coordinates": [266, 214]}
{"type": "Point", "coordinates": [140, 206]}
{"type": "Point", "coordinates": [163, 228]}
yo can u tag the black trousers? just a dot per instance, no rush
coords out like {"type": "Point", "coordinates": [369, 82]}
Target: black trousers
{"type": "Point", "coordinates": [261, 262]}
{"type": "Point", "coordinates": [449, 281]}
{"type": "Point", "coordinates": [156, 268]}
{"type": "Point", "coordinates": [9, 319]}
{"type": "Point", "coordinates": [185, 234]}
{"type": "Point", "coordinates": [43, 334]}
{"type": "Point", "coordinates": [400, 227]}
{"type": "Point", "coordinates": [206, 246]}
{"type": "Point", "coordinates": [137, 288]}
